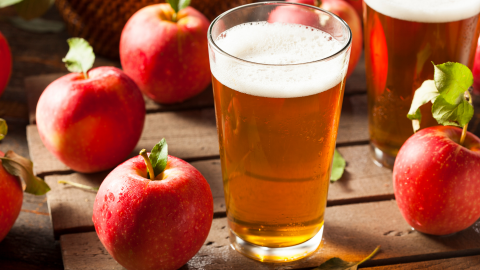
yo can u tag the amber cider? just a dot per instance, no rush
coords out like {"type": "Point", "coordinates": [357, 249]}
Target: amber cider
{"type": "Point", "coordinates": [277, 127]}
{"type": "Point", "coordinates": [402, 39]}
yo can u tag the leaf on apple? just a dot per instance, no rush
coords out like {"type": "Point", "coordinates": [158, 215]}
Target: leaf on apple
{"type": "Point", "coordinates": [80, 56]}
{"type": "Point", "coordinates": [426, 93]}
{"type": "Point", "coordinates": [338, 166]}
{"type": "Point", "coordinates": [449, 94]}
{"type": "Point", "coordinates": [339, 264]}
{"type": "Point", "coordinates": [178, 5]}
{"type": "Point", "coordinates": [3, 129]}
{"type": "Point", "coordinates": [159, 157]}
{"type": "Point", "coordinates": [22, 167]}
{"type": "Point", "coordinates": [452, 80]}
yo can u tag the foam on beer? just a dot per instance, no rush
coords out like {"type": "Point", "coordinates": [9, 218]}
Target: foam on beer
{"type": "Point", "coordinates": [281, 45]}
{"type": "Point", "coordinates": [428, 11]}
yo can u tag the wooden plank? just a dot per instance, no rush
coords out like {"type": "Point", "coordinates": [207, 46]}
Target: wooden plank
{"type": "Point", "coordinates": [35, 85]}
{"type": "Point", "coordinates": [363, 181]}
{"type": "Point", "coordinates": [356, 83]}
{"type": "Point", "coordinates": [351, 233]}
{"type": "Point", "coordinates": [193, 134]}
{"type": "Point", "coordinates": [353, 126]}
{"type": "Point", "coordinates": [190, 135]}
{"type": "Point", "coordinates": [465, 263]}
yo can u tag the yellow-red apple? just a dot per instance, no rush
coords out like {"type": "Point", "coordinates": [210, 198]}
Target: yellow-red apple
{"type": "Point", "coordinates": [91, 124]}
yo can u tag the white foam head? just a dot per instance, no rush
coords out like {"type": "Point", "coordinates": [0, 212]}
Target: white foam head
{"type": "Point", "coordinates": [279, 45]}
{"type": "Point", "coordinates": [428, 11]}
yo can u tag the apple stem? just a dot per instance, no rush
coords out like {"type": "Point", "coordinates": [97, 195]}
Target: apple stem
{"type": "Point", "coordinates": [77, 185]}
{"type": "Point", "coordinates": [143, 153]}
{"type": "Point", "coordinates": [468, 97]}
{"type": "Point", "coordinates": [317, 3]}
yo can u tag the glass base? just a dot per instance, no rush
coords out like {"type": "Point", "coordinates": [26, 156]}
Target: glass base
{"type": "Point", "coordinates": [283, 254]}
{"type": "Point", "coordinates": [381, 158]}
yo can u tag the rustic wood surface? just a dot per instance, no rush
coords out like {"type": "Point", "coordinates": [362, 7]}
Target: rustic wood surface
{"type": "Point", "coordinates": [351, 233]}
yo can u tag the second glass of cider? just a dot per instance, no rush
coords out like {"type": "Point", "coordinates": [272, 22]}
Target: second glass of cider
{"type": "Point", "coordinates": [278, 74]}
{"type": "Point", "coordinates": [402, 39]}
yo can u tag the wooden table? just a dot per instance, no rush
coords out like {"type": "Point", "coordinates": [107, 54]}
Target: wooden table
{"type": "Point", "coordinates": [56, 231]}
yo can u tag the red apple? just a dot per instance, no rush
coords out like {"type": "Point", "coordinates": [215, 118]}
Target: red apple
{"type": "Point", "coordinates": [153, 224]}
{"type": "Point", "coordinates": [437, 181]}
{"type": "Point", "coordinates": [476, 70]}
{"type": "Point", "coordinates": [167, 59]}
{"type": "Point", "coordinates": [5, 63]}
{"type": "Point", "coordinates": [11, 198]}
{"type": "Point", "coordinates": [358, 6]}
{"type": "Point", "coordinates": [91, 124]}
{"type": "Point", "coordinates": [337, 7]}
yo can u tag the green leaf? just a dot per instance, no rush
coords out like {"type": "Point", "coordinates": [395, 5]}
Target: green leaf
{"type": "Point", "coordinates": [452, 80]}
{"type": "Point", "coordinates": [80, 57]}
{"type": "Point", "coordinates": [30, 9]}
{"type": "Point", "coordinates": [183, 4]}
{"type": "Point", "coordinates": [457, 114]}
{"type": "Point", "coordinates": [38, 25]}
{"type": "Point", "coordinates": [426, 93]}
{"type": "Point", "coordinates": [339, 264]}
{"type": "Point", "coordinates": [3, 129]}
{"type": "Point", "coordinates": [178, 5]}
{"type": "Point", "coordinates": [174, 4]}
{"type": "Point", "coordinates": [22, 167]}
{"type": "Point", "coordinates": [6, 3]}
{"type": "Point", "coordinates": [338, 166]}
{"type": "Point", "coordinates": [159, 157]}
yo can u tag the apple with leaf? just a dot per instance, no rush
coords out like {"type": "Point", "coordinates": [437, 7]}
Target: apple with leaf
{"type": "Point", "coordinates": [90, 120]}
{"type": "Point", "coordinates": [153, 211]}
{"type": "Point", "coordinates": [164, 49]}
{"type": "Point", "coordinates": [436, 174]}
{"type": "Point", "coordinates": [12, 168]}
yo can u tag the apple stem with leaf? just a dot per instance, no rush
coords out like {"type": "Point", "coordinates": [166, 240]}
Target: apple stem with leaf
{"type": "Point", "coordinates": [178, 5]}
{"type": "Point", "coordinates": [157, 161]}
{"type": "Point", "coordinates": [464, 130]}
{"type": "Point", "coordinates": [80, 56]}
{"type": "Point", "coordinates": [450, 97]}
{"type": "Point", "coordinates": [143, 153]}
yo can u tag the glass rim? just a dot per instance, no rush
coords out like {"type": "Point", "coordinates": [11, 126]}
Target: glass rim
{"type": "Point", "coordinates": [279, 3]}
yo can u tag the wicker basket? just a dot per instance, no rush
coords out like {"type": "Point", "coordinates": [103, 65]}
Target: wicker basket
{"type": "Point", "coordinates": [101, 21]}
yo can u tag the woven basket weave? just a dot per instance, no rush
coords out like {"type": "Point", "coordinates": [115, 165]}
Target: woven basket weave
{"type": "Point", "coordinates": [101, 21]}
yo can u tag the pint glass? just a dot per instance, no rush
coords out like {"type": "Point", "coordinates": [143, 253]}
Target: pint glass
{"type": "Point", "coordinates": [278, 89]}
{"type": "Point", "coordinates": [402, 39]}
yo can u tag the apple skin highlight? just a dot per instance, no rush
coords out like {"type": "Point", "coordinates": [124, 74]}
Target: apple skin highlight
{"type": "Point", "coordinates": [437, 181]}
{"type": "Point", "coordinates": [157, 224]}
